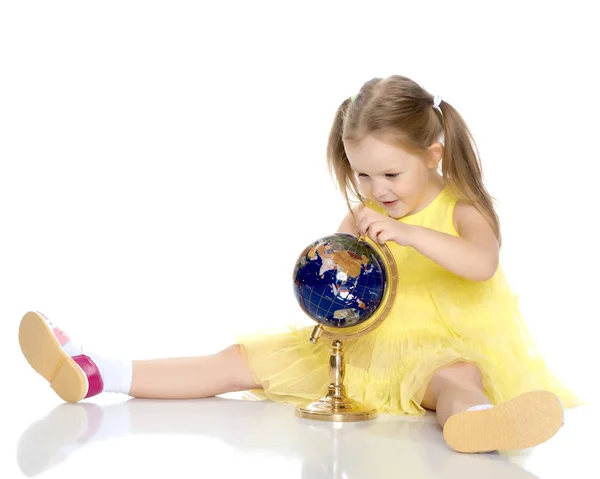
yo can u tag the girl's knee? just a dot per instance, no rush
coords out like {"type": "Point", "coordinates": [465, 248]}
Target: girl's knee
{"type": "Point", "coordinates": [241, 376]}
{"type": "Point", "coordinates": [233, 350]}
{"type": "Point", "coordinates": [462, 373]}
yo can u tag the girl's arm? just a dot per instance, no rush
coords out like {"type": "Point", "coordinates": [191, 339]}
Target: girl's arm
{"type": "Point", "coordinates": [473, 255]}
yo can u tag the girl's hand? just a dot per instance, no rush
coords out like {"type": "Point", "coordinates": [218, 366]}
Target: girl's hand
{"type": "Point", "coordinates": [381, 228]}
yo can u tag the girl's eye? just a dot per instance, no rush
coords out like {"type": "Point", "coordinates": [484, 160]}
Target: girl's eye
{"type": "Point", "coordinates": [387, 175]}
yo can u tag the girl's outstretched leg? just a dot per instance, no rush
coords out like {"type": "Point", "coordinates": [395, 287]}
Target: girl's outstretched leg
{"type": "Point", "coordinates": [471, 424]}
{"type": "Point", "coordinates": [194, 377]}
{"type": "Point", "coordinates": [75, 374]}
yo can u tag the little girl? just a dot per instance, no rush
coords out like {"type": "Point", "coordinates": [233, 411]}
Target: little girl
{"type": "Point", "coordinates": [454, 341]}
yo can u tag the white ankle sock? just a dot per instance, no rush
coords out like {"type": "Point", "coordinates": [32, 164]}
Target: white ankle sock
{"type": "Point", "coordinates": [480, 407]}
{"type": "Point", "coordinates": [116, 373]}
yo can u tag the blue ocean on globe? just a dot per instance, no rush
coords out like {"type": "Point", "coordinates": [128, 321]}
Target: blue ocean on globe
{"type": "Point", "coordinates": [339, 280]}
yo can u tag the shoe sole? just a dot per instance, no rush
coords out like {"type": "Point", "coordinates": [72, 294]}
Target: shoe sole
{"type": "Point", "coordinates": [45, 355]}
{"type": "Point", "coordinates": [522, 422]}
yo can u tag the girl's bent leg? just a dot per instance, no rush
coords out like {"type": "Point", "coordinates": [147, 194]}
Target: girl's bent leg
{"type": "Point", "coordinates": [454, 389]}
{"type": "Point", "coordinates": [193, 377]}
{"type": "Point", "coordinates": [522, 422]}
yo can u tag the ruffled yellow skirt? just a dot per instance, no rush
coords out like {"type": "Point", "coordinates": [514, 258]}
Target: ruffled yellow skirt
{"type": "Point", "coordinates": [432, 325]}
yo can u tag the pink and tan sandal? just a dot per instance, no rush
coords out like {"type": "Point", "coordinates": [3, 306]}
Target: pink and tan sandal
{"type": "Point", "coordinates": [522, 422]}
{"type": "Point", "coordinates": [72, 378]}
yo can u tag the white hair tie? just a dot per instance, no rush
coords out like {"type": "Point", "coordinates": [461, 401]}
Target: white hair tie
{"type": "Point", "coordinates": [436, 102]}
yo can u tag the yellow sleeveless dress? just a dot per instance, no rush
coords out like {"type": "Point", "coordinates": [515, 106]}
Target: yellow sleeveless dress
{"type": "Point", "coordinates": [437, 319]}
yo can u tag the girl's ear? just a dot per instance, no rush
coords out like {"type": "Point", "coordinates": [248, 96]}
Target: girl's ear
{"type": "Point", "coordinates": [436, 151]}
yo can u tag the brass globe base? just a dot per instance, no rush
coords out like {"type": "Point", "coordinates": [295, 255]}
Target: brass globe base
{"type": "Point", "coordinates": [335, 406]}
{"type": "Point", "coordinates": [336, 409]}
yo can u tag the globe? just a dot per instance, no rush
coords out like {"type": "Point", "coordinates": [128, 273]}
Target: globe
{"type": "Point", "coordinates": [340, 280]}
{"type": "Point", "coordinates": [347, 285]}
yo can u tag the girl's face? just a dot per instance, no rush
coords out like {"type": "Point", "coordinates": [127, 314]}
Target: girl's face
{"type": "Point", "coordinates": [388, 174]}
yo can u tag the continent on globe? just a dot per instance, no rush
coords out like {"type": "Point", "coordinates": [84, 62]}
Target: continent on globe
{"type": "Point", "coordinates": [339, 280]}
{"type": "Point", "coordinates": [345, 261]}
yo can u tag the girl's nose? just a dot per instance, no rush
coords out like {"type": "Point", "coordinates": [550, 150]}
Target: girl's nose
{"type": "Point", "coordinates": [379, 189]}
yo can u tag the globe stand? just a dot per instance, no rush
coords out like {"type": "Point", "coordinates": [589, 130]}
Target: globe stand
{"type": "Point", "coordinates": [335, 406]}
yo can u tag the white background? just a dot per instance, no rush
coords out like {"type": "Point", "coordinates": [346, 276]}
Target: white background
{"type": "Point", "coordinates": [163, 163]}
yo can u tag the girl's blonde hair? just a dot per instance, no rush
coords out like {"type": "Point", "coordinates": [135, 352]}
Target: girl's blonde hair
{"type": "Point", "coordinates": [398, 108]}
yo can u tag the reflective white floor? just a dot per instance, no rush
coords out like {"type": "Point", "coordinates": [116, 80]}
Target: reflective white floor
{"type": "Point", "coordinates": [116, 436]}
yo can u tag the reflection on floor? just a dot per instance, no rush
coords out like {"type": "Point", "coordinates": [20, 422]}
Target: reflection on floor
{"type": "Point", "coordinates": [231, 435]}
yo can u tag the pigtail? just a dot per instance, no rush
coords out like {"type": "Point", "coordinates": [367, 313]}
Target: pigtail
{"type": "Point", "coordinates": [461, 166]}
{"type": "Point", "coordinates": [337, 161]}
